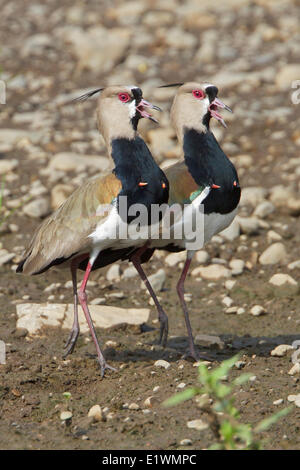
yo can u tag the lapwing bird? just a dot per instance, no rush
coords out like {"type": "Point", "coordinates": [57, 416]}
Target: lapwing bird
{"type": "Point", "coordinates": [84, 233]}
{"type": "Point", "coordinates": [204, 180]}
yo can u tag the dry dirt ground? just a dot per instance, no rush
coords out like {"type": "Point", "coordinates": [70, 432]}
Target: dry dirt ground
{"type": "Point", "coordinates": [33, 380]}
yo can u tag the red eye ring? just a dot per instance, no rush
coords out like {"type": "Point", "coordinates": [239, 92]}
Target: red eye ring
{"type": "Point", "coordinates": [199, 94]}
{"type": "Point", "coordinates": [124, 97]}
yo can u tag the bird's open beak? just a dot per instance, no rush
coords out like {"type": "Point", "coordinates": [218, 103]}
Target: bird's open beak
{"type": "Point", "coordinates": [145, 104]}
{"type": "Point", "coordinates": [213, 107]}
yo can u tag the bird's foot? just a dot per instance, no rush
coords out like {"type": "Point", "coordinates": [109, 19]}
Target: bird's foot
{"type": "Point", "coordinates": [104, 366]}
{"type": "Point", "coordinates": [197, 356]}
{"type": "Point", "coordinates": [71, 341]}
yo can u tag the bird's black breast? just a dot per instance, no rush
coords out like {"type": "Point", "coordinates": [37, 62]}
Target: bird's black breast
{"type": "Point", "coordinates": [143, 182]}
{"type": "Point", "coordinates": [209, 166]}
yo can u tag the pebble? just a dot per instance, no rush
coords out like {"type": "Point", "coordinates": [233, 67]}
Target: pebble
{"type": "Point", "coordinates": [96, 413]}
{"type": "Point", "coordinates": [98, 301]}
{"type": "Point", "coordinates": [186, 442]}
{"type": "Point", "coordinates": [278, 402]}
{"type": "Point", "coordinates": [162, 364]}
{"type": "Point", "coordinates": [156, 280]}
{"type": "Point", "coordinates": [237, 266]}
{"type": "Point", "coordinates": [264, 209]}
{"type": "Point", "coordinates": [229, 284]}
{"type": "Point", "coordinates": [212, 272]}
{"type": "Point", "coordinates": [8, 165]}
{"type": "Point", "coordinates": [37, 208]}
{"type": "Point", "coordinates": [175, 258]}
{"type": "Point", "coordinates": [294, 265]}
{"type": "Point", "coordinates": [273, 236]}
{"type": "Point", "coordinates": [66, 415]}
{"type": "Point", "coordinates": [284, 284]}
{"type": "Point", "coordinates": [5, 257]}
{"type": "Point", "coordinates": [253, 196]}
{"type": "Point", "coordinates": [275, 253]}
{"type": "Point", "coordinates": [295, 369]}
{"type": "Point", "coordinates": [281, 350]}
{"type": "Point", "coordinates": [113, 273]}
{"type": "Point", "coordinates": [202, 257]}
{"type": "Point", "coordinates": [197, 424]}
{"type": "Point", "coordinates": [257, 310]}
{"type": "Point", "coordinates": [129, 273]}
{"type": "Point", "coordinates": [232, 232]}
{"type": "Point", "coordinates": [227, 301]}
{"type": "Point", "coordinates": [249, 225]}
{"type": "Point", "coordinates": [134, 406]}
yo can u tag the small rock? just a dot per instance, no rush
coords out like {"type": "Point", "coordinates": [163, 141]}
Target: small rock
{"type": "Point", "coordinates": [129, 273]}
{"type": "Point", "coordinates": [227, 301]}
{"type": "Point", "coordinates": [285, 285]}
{"type": "Point", "coordinates": [249, 225]}
{"type": "Point", "coordinates": [202, 257]}
{"type": "Point", "coordinates": [231, 310]}
{"type": "Point", "coordinates": [186, 442]}
{"type": "Point", "coordinates": [278, 402]}
{"type": "Point", "coordinates": [37, 208]}
{"type": "Point", "coordinates": [264, 209]}
{"type": "Point", "coordinates": [257, 310]}
{"type": "Point", "coordinates": [237, 266]}
{"type": "Point", "coordinates": [98, 301]}
{"type": "Point", "coordinates": [253, 196]}
{"type": "Point", "coordinates": [5, 257]}
{"type": "Point", "coordinates": [197, 424]}
{"type": "Point", "coordinates": [8, 165]}
{"type": "Point", "coordinates": [133, 406]}
{"type": "Point", "coordinates": [175, 258]}
{"type": "Point", "coordinates": [229, 284]}
{"type": "Point", "coordinates": [96, 413]}
{"type": "Point", "coordinates": [240, 364]}
{"type": "Point", "coordinates": [162, 363]}
{"type": "Point", "coordinates": [232, 232]}
{"type": "Point", "coordinates": [66, 415]}
{"type": "Point", "coordinates": [276, 253]}
{"type": "Point", "coordinates": [281, 350]}
{"type": "Point", "coordinates": [295, 369]}
{"type": "Point", "coordinates": [213, 271]}
{"type": "Point", "coordinates": [156, 280]}
{"type": "Point", "coordinates": [273, 236]}
{"type": "Point", "coordinates": [294, 265]}
{"type": "Point", "coordinates": [113, 272]}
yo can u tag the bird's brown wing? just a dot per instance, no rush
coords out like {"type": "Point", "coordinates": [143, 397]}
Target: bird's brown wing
{"type": "Point", "coordinates": [66, 232]}
{"type": "Point", "coordinates": [182, 184]}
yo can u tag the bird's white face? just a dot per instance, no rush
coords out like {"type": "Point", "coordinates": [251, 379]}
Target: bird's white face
{"type": "Point", "coordinates": [194, 105]}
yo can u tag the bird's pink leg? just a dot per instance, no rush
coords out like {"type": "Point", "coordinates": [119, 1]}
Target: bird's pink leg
{"type": "Point", "coordinates": [70, 344]}
{"type": "Point", "coordinates": [83, 302]}
{"type": "Point", "coordinates": [162, 316]}
{"type": "Point", "coordinates": [180, 290]}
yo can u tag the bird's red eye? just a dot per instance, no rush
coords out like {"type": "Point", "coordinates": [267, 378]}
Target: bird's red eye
{"type": "Point", "coordinates": [124, 97]}
{"type": "Point", "coordinates": [199, 94]}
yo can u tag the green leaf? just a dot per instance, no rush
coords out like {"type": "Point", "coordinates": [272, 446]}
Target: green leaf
{"type": "Point", "coordinates": [266, 423]}
{"type": "Point", "coordinates": [181, 397]}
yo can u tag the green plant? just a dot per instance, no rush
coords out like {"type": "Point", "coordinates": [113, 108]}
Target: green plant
{"type": "Point", "coordinates": [215, 398]}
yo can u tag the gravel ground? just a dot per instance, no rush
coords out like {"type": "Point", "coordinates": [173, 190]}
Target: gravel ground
{"type": "Point", "coordinates": [244, 288]}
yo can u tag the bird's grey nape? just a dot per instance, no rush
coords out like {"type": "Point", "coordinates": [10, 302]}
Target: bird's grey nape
{"type": "Point", "coordinates": [87, 95]}
{"type": "Point", "coordinates": [170, 85]}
